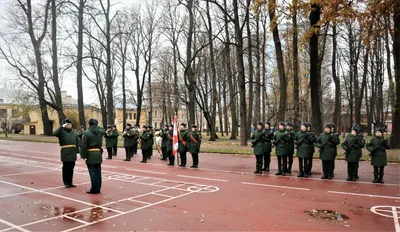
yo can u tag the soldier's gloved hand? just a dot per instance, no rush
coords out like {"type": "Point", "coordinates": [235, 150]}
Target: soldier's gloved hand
{"type": "Point", "coordinates": [64, 125]}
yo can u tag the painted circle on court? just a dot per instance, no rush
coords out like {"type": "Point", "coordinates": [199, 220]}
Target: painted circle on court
{"type": "Point", "coordinates": [386, 210]}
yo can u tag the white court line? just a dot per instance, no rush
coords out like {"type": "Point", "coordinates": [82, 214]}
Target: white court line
{"type": "Point", "coordinates": [162, 195]}
{"type": "Point", "coordinates": [75, 219]}
{"type": "Point", "coordinates": [396, 219]}
{"type": "Point", "coordinates": [202, 178]}
{"type": "Point", "coordinates": [365, 195]}
{"type": "Point", "coordinates": [59, 196]}
{"type": "Point", "coordinates": [107, 166]}
{"type": "Point", "coordinates": [142, 202]}
{"type": "Point", "coordinates": [387, 211]}
{"type": "Point", "coordinates": [275, 186]}
{"type": "Point", "coordinates": [145, 171]}
{"type": "Point", "coordinates": [13, 226]}
{"type": "Point", "coordinates": [24, 173]}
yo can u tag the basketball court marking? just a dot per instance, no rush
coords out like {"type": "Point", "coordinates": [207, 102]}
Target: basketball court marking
{"type": "Point", "coordinates": [392, 212]}
{"type": "Point", "coordinates": [193, 188]}
{"type": "Point", "coordinates": [365, 195]}
{"type": "Point", "coordinates": [275, 186]}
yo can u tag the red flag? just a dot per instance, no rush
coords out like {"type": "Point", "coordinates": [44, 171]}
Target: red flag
{"type": "Point", "coordinates": [175, 138]}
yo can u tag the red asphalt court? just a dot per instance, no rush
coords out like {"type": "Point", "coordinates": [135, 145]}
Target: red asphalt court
{"type": "Point", "coordinates": [222, 195]}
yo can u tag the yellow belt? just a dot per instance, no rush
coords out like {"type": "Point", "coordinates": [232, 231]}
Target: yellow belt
{"type": "Point", "coordinates": [68, 146]}
{"type": "Point", "coordinates": [94, 149]}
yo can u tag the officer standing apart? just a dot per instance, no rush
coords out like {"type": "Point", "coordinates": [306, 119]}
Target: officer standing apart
{"type": "Point", "coordinates": [290, 146]}
{"type": "Point", "coordinates": [302, 142]}
{"type": "Point", "coordinates": [337, 135]}
{"type": "Point", "coordinates": [109, 141]}
{"type": "Point", "coordinates": [115, 134]}
{"type": "Point", "coordinates": [68, 140]}
{"type": "Point", "coordinates": [280, 142]}
{"type": "Point", "coordinates": [258, 140]}
{"type": "Point", "coordinates": [352, 147]}
{"type": "Point", "coordinates": [164, 142]}
{"type": "Point", "coordinates": [146, 143]}
{"type": "Point", "coordinates": [182, 148]}
{"type": "Point", "coordinates": [194, 145]}
{"type": "Point", "coordinates": [377, 146]}
{"type": "Point", "coordinates": [327, 143]}
{"type": "Point", "coordinates": [92, 152]}
{"type": "Point", "coordinates": [267, 148]}
{"type": "Point", "coordinates": [130, 138]}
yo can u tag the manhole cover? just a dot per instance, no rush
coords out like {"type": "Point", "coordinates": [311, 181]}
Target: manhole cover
{"type": "Point", "coordinates": [325, 214]}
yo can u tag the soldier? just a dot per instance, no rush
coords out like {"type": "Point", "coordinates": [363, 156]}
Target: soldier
{"type": "Point", "coordinates": [109, 141]}
{"type": "Point", "coordinates": [337, 135]}
{"type": "Point", "coordinates": [258, 140]}
{"type": "Point", "coordinates": [116, 134]}
{"type": "Point", "coordinates": [311, 150]}
{"type": "Point", "coordinates": [130, 139]}
{"type": "Point", "coordinates": [68, 140]}
{"type": "Point", "coordinates": [164, 142]}
{"type": "Point", "coordinates": [352, 147]}
{"type": "Point", "coordinates": [377, 146]}
{"type": "Point", "coordinates": [151, 134]}
{"type": "Point", "coordinates": [290, 146]}
{"type": "Point", "coordinates": [146, 143]}
{"type": "Point", "coordinates": [327, 142]}
{"type": "Point", "coordinates": [302, 141]}
{"type": "Point", "coordinates": [267, 148]}
{"type": "Point", "coordinates": [194, 145]}
{"type": "Point", "coordinates": [182, 148]}
{"type": "Point", "coordinates": [280, 142]}
{"type": "Point", "coordinates": [92, 152]}
{"type": "Point", "coordinates": [80, 134]}
{"type": "Point", "coordinates": [170, 135]}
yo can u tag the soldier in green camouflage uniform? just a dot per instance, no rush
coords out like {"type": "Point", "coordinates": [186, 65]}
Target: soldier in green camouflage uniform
{"type": "Point", "coordinates": [327, 143]}
{"type": "Point", "coordinates": [146, 143]}
{"type": "Point", "coordinates": [290, 146]}
{"type": "Point", "coordinates": [311, 150]}
{"type": "Point", "coordinates": [68, 140]}
{"type": "Point", "coordinates": [151, 134]}
{"type": "Point", "coordinates": [130, 141]}
{"type": "Point", "coordinates": [80, 134]}
{"type": "Point", "coordinates": [280, 142]}
{"type": "Point", "coordinates": [258, 140]}
{"type": "Point", "coordinates": [110, 140]}
{"type": "Point", "coordinates": [353, 150]}
{"type": "Point", "coordinates": [302, 142]}
{"type": "Point", "coordinates": [337, 135]}
{"type": "Point", "coordinates": [269, 134]}
{"type": "Point", "coordinates": [378, 146]}
{"type": "Point", "coordinates": [115, 134]}
{"type": "Point", "coordinates": [92, 152]}
{"type": "Point", "coordinates": [164, 142]}
{"type": "Point", "coordinates": [170, 136]}
{"type": "Point", "coordinates": [194, 145]}
{"type": "Point", "coordinates": [183, 139]}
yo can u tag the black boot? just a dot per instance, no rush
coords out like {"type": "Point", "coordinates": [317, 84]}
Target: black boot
{"type": "Point", "coordinates": [381, 179]}
{"type": "Point", "coordinates": [376, 180]}
{"type": "Point", "coordinates": [301, 174]}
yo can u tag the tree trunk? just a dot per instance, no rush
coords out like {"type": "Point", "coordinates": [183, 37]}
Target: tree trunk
{"type": "Point", "coordinates": [241, 75]}
{"type": "Point", "coordinates": [257, 99]}
{"type": "Point", "coordinates": [395, 138]}
{"type": "Point", "coordinates": [315, 81]}
{"type": "Point", "coordinates": [296, 94]}
{"type": "Point", "coordinates": [232, 95]}
{"type": "Point", "coordinates": [279, 59]}
{"type": "Point", "coordinates": [337, 115]}
{"type": "Point", "coordinates": [363, 86]}
{"type": "Point", "coordinates": [81, 106]}
{"type": "Point", "coordinates": [213, 78]}
{"type": "Point", "coordinates": [250, 120]}
{"type": "Point", "coordinates": [189, 73]}
{"type": "Point", "coordinates": [392, 89]}
{"type": "Point", "coordinates": [109, 81]}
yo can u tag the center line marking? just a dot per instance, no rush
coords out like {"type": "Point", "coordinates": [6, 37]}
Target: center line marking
{"type": "Point", "coordinates": [13, 226]}
{"type": "Point", "coordinates": [275, 186]}
{"type": "Point", "coordinates": [364, 195]}
{"type": "Point", "coordinates": [145, 171]}
{"type": "Point", "coordinates": [203, 178]}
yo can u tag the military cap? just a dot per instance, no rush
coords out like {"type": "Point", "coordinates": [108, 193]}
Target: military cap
{"type": "Point", "coordinates": [282, 123]}
{"type": "Point", "coordinates": [82, 126]}
{"type": "Point", "coordinates": [290, 124]}
{"type": "Point", "coordinates": [115, 126]}
{"type": "Point", "coordinates": [166, 125]}
{"type": "Point", "coordinates": [150, 126]}
{"type": "Point", "coordinates": [145, 127]}
{"type": "Point", "coordinates": [261, 123]}
{"type": "Point", "coordinates": [333, 125]}
{"type": "Point", "coordinates": [183, 124]}
{"type": "Point", "coordinates": [93, 121]}
{"type": "Point", "coordinates": [128, 124]}
{"type": "Point", "coordinates": [380, 129]}
{"type": "Point", "coordinates": [356, 128]}
{"type": "Point", "coordinates": [171, 125]}
{"type": "Point", "coordinates": [305, 124]}
{"type": "Point", "coordinates": [109, 126]}
{"type": "Point", "coordinates": [268, 123]}
{"type": "Point", "coordinates": [67, 120]}
{"type": "Point", "coordinates": [328, 126]}
{"type": "Point", "coordinates": [194, 126]}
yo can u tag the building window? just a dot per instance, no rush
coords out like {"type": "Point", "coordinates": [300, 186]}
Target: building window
{"type": "Point", "coordinates": [130, 116]}
{"type": "Point", "coordinates": [1, 100]}
{"type": "Point", "coordinates": [126, 115]}
{"type": "Point", "coordinates": [182, 115]}
{"type": "Point", "coordinates": [134, 116]}
{"type": "Point", "coordinates": [155, 124]}
{"type": "Point", "coordinates": [155, 114]}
